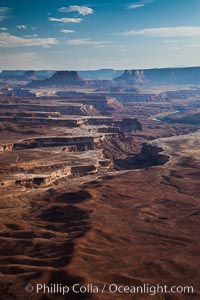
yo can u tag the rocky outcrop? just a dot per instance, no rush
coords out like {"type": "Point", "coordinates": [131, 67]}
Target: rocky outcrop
{"type": "Point", "coordinates": [35, 181]}
{"type": "Point", "coordinates": [46, 180]}
{"type": "Point", "coordinates": [137, 97]}
{"type": "Point", "coordinates": [72, 148]}
{"type": "Point", "coordinates": [30, 114]}
{"type": "Point", "coordinates": [129, 125]}
{"type": "Point", "coordinates": [17, 92]}
{"type": "Point", "coordinates": [98, 101]}
{"type": "Point", "coordinates": [162, 76]}
{"type": "Point", "coordinates": [78, 109]}
{"type": "Point", "coordinates": [153, 154]}
{"type": "Point", "coordinates": [181, 94]}
{"type": "Point", "coordinates": [81, 143]}
{"type": "Point", "coordinates": [177, 150]}
{"type": "Point", "coordinates": [88, 110]}
{"type": "Point", "coordinates": [100, 121]}
{"type": "Point", "coordinates": [73, 122]}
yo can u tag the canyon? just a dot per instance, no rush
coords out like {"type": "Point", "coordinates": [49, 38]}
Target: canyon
{"type": "Point", "coordinates": [99, 181]}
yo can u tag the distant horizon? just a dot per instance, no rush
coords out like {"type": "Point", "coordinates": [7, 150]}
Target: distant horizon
{"type": "Point", "coordinates": [113, 69]}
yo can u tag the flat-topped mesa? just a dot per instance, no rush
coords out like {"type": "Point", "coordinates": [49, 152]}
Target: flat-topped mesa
{"type": "Point", "coordinates": [66, 76]}
{"type": "Point", "coordinates": [29, 75]}
{"type": "Point", "coordinates": [60, 78]}
{"type": "Point", "coordinates": [190, 75]}
{"type": "Point", "coordinates": [11, 74]}
{"type": "Point", "coordinates": [22, 75]}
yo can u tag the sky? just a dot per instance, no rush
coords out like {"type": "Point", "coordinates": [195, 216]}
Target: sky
{"type": "Point", "coordinates": [96, 34]}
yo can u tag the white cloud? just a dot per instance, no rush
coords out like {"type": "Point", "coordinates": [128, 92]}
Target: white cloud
{"type": "Point", "coordinates": [67, 31]}
{"type": "Point", "coordinates": [181, 31]}
{"type": "Point", "coordinates": [4, 12]}
{"type": "Point", "coordinates": [82, 10]}
{"type": "Point", "coordinates": [21, 26]}
{"type": "Point", "coordinates": [10, 41]}
{"type": "Point", "coordinates": [3, 28]}
{"type": "Point", "coordinates": [99, 46]}
{"type": "Point", "coordinates": [171, 41]}
{"type": "Point", "coordinates": [134, 6]}
{"type": "Point", "coordinates": [174, 48]}
{"type": "Point", "coordinates": [84, 42]}
{"type": "Point", "coordinates": [66, 20]}
{"type": "Point", "coordinates": [122, 48]}
{"type": "Point", "coordinates": [139, 4]}
{"type": "Point", "coordinates": [194, 46]}
{"type": "Point", "coordinates": [30, 36]}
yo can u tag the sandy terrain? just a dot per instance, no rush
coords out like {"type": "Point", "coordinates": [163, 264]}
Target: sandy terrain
{"type": "Point", "coordinates": [138, 227]}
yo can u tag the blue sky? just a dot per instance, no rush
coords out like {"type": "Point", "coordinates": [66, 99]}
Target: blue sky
{"type": "Point", "coordinates": [49, 34]}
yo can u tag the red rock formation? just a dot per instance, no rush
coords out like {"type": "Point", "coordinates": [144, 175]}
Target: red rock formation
{"type": "Point", "coordinates": [60, 78]}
